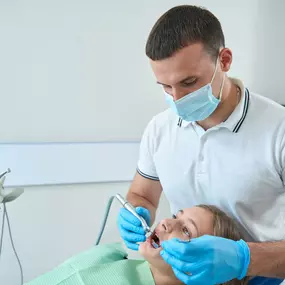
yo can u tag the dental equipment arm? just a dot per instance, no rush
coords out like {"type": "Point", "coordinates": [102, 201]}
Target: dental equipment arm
{"type": "Point", "coordinates": [4, 173]}
{"type": "Point", "coordinates": [13, 195]}
{"type": "Point", "coordinates": [5, 198]}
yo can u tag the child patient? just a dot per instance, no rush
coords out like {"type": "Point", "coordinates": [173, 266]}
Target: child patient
{"type": "Point", "coordinates": [108, 264]}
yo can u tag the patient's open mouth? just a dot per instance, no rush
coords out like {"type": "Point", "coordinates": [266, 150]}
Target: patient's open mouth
{"type": "Point", "coordinates": [154, 240]}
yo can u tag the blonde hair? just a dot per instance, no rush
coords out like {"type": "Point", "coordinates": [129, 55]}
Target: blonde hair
{"type": "Point", "coordinates": [226, 227]}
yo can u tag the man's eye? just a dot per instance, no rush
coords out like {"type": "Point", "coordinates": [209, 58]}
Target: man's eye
{"type": "Point", "coordinates": [174, 216]}
{"type": "Point", "coordinates": [189, 83]}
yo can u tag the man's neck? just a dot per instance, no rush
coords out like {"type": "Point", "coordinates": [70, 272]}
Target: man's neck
{"type": "Point", "coordinates": [228, 104]}
{"type": "Point", "coordinates": [164, 278]}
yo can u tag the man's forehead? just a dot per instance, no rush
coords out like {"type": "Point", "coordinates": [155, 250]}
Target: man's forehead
{"type": "Point", "coordinates": [186, 62]}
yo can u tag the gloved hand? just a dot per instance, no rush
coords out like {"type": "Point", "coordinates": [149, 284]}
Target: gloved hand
{"type": "Point", "coordinates": [208, 259]}
{"type": "Point", "coordinates": [130, 227]}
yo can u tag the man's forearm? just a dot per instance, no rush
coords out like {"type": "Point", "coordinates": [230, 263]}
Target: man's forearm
{"type": "Point", "coordinates": [139, 201]}
{"type": "Point", "coordinates": [267, 259]}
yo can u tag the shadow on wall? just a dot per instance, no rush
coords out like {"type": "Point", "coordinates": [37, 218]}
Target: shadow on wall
{"type": "Point", "coordinates": [269, 58]}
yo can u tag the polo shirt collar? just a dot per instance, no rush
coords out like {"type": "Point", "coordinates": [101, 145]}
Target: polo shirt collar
{"type": "Point", "coordinates": [236, 119]}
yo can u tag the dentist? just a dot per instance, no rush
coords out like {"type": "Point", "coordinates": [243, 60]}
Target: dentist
{"type": "Point", "coordinates": [218, 144]}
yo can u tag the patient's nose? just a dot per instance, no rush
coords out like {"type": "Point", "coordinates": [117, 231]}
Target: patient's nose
{"type": "Point", "coordinates": [166, 225]}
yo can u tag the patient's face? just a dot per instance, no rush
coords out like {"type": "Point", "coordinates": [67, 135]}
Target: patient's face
{"type": "Point", "coordinates": [189, 223]}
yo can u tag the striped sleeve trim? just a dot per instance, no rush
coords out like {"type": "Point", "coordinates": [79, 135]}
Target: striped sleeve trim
{"type": "Point", "coordinates": [147, 176]}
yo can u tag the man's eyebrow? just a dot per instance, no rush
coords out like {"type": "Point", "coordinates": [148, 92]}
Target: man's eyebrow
{"type": "Point", "coordinates": [160, 83]}
{"type": "Point", "coordinates": [190, 221]}
{"type": "Point", "coordinates": [188, 78]}
{"type": "Point", "coordinates": [181, 81]}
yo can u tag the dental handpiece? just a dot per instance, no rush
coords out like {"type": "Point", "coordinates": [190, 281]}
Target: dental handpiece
{"type": "Point", "coordinates": [131, 209]}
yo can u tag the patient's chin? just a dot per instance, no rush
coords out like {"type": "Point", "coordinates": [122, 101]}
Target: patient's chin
{"type": "Point", "coordinates": [146, 250]}
{"type": "Point", "coordinates": [150, 254]}
{"type": "Point", "coordinates": [142, 248]}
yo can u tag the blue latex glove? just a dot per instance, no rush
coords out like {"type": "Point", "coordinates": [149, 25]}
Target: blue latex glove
{"type": "Point", "coordinates": [208, 259]}
{"type": "Point", "coordinates": [130, 227]}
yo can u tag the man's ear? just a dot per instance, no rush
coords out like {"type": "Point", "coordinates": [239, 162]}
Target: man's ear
{"type": "Point", "coordinates": [226, 58]}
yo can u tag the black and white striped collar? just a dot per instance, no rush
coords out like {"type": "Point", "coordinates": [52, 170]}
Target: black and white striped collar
{"type": "Point", "coordinates": [244, 111]}
{"type": "Point", "coordinates": [236, 119]}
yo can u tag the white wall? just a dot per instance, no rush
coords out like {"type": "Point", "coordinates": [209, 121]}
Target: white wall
{"type": "Point", "coordinates": [76, 71]}
{"type": "Point", "coordinates": [80, 66]}
{"type": "Point", "coordinates": [269, 59]}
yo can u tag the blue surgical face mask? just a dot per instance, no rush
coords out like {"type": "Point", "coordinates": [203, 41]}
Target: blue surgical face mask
{"type": "Point", "coordinates": [197, 105]}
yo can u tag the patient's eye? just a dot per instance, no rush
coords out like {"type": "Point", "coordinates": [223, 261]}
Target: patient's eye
{"type": "Point", "coordinates": [184, 229]}
{"type": "Point", "coordinates": [186, 232]}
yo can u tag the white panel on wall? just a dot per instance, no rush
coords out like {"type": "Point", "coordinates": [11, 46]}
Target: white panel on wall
{"type": "Point", "coordinates": [68, 163]}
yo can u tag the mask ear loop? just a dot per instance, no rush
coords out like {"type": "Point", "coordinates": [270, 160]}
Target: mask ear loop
{"type": "Point", "coordinates": [222, 87]}
{"type": "Point", "coordinates": [222, 84]}
{"type": "Point", "coordinates": [216, 68]}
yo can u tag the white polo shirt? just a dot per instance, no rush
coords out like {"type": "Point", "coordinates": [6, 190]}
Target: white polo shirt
{"type": "Point", "coordinates": [238, 166]}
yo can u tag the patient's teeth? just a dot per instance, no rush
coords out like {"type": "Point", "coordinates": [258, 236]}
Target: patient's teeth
{"type": "Point", "coordinates": [155, 245]}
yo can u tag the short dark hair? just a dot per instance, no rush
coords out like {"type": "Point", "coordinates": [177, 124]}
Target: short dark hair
{"type": "Point", "coordinates": [182, 26]}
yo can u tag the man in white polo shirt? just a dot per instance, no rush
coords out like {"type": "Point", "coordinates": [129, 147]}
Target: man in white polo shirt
{"type": "Point", "coordinates": [218, 144]}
